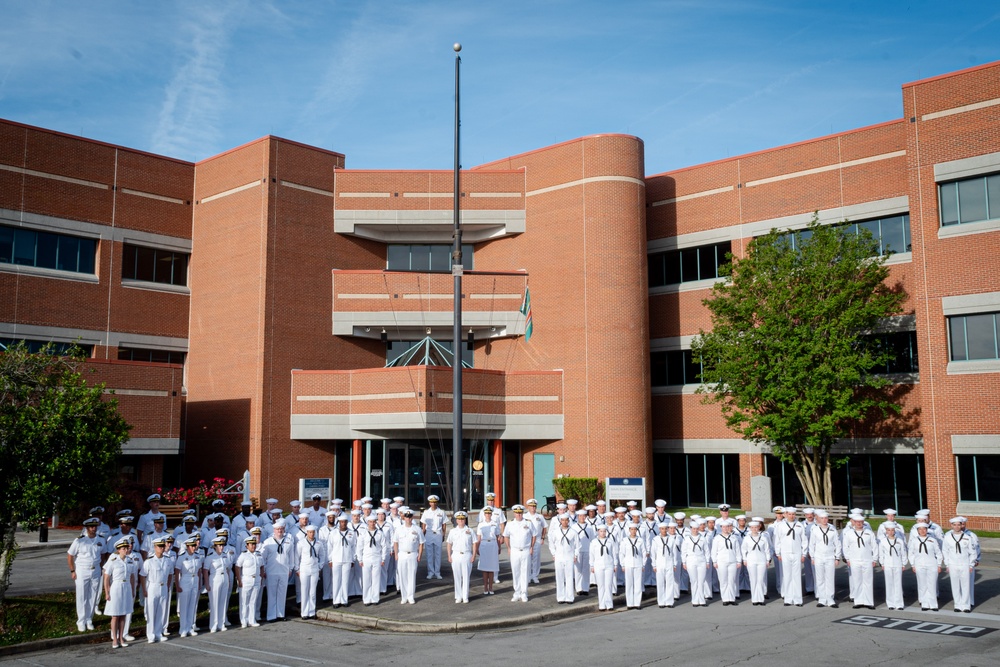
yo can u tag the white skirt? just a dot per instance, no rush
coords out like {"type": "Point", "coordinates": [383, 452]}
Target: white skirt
{"type": "Point", "coordinates": [489, 557]}
{"type": "Point", "coordinates": [120, 603]}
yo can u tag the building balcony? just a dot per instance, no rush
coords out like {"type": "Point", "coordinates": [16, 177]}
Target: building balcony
{"type": "Point", "coordinates": [415, 402]}
{"type": "Point", "coordinates": [411, 305]}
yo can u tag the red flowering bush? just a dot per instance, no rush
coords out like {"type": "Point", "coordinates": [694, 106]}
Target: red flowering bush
{"type": "Point", "coordinates": [201, 496]}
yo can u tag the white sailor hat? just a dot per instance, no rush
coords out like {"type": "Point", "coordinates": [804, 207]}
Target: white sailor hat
{"type": "Point", "coordinates": [923, 513]}
{"type": "Point", "coordinates": [679, 515]}
{"type": "Point", "coordinates": [366, 499]}
{"type": "Point", "coordinates": [366, 506]}
{"type": "Point", "coordinates": [635, 513]}
{"type": "Point", "coordinates": [394, 506]}
{"type": "Point", "coordinates": [432, 498]}
{"type": "Point", "coordinates": [246, 503]}
{"type": "Point", "coordinates": [562, 517]}
{"type": "Point", "coordinates": [649, 510]}
{"type": "Point", "coordinates": [790, 510]}
{"type": "Point", "coordinates": [316, 496]}
{"type": "Point", "coordinates": [697, 523]}
{"type": "Point", "coordinates": [386, 501]}
{"type": "Point", "coordinates": [857, 510]}
{"type": "Point", "coordinates": [280, 523]}
{"type": "Point", "coordinates": [92, 521]}
{"type": "Point", "coordinates": [398, 499]}
{"type": "Point", "coordinates": [560, 506]}
{"type": "Point", "coordinates": [809, 510]}
{"type": "Point", "coordinates": [963, 519]}
{"type": "Point", "coordinates": [591, 508]}
{"type": "Point", "coordinates": [890, 525]}
{"type": "Point", "coordinates": [955, 519]}
{"type": "Point", "coordinates": [370, 518]}
{"type": "Point", "coordinates": [601, 502]}
{"type": "Point", "coordinates": [724, 507]}
{"type": "Point", "coordinates": [153, 497]}
{"type": "Point", "coordinates": [620, 510]}
{"type": "Point", "coordinates": [660, 502]}
{"type": "Point", "coordinates": [380, 510]}
{"type": "Point", "coordinates": [696, 517]}
{"type": "Point", "coordinates": [662, 526]}
{"type": "Point", "coordinates": [310, 528]}
{"type": "Point", "coordinates": [754, 523]}
{"type": "Point", "coordinates": [276, 510]}
{"type": "Point", "coordinates": [758, 519]}
{"type": "Point", "coordinates": [671, 524]}
{"type": "Point", "coordinates": [820, 514]}
{"type": "Point", "coordinates": [856, 517]}
{"type": "Point", "coordinates": [710, 518]}
{"type": "Point", "coordinates": [337, 501]}
{"type": "Point", "coordinates": [355, 512]}
{"type": "Point", "coordinates": [250, 518]}
{"type": "Point", "coordinates": [602, 526]}
{"type": "Point", "coordinates": [581, 512]}
{"type": "Point", "coordinates": [633, 526]}
{"type": "Point", "coordinates": [632, 503]}
{"type": "Point", "coordinates": [572, 501]}
{"type": "Point", "coordinates": [608, 515]}
{"type": "Point", "coordinates": [295, 503]}
{"type": "Point", "coordinates": [191, 542]}
{"type": "Point", "coordinates": [331, 513]}
{"type": "Point", "coordinates": [272, 501]}
{"type": "Point", "coordinates": [889, 511]}
{"type": "Point", "coordinates": [920, 524]}
{"type": "Point", "coordinates": [124, 542]}
{"type": "Point", "coordinates": [741, 516]}
{"type": "Point", "coordinates": [343, 517]}
{"type": "Point", "coordinates": [303, 515]}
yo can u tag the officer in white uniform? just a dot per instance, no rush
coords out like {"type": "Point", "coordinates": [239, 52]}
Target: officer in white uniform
{"type": "Point", "coordinates": [389, 564]}
{"type": "Point", "coordinates": [893, 559]}
{"type": "Point", "coordinates": [249, 573]}
{"type": "Point", "coordinates": [215, 571]}
{"type": "Point", "coordinates": [664, 553]}
{"type": "Point", "coordinates": [648, 530]}
{"type": "Point", "coordinates": [681, 575]}
{"type": "Point", "coordinates": [157, 576]}
{"type": "Point", "coordinates": [280, 556]}
{"type": "Point", "coordinates": [218, 507]}
{"type": "Point", "coordinates": [824, 552]}
{"type": "Point", "coordinates": [727, 558]}
{"type": "Point", "coordinates": [695, 557]}
{"type": "Point", "coordinates": [926, 558]}
{"type": "Point", "coordinates": [860, 552]}
{"type": "Point", "coordinates": [372, 551]}
{"type": "Point", "coordinates": [145, 523]}
{"type": "Point", "coordinates": [541, 530]}
{"type": "Point", "coordinates": [408, 547]}
{"type": "Point", "coordinates": [341, 547]}
{"type": "Point", "coordinates": [433, 520]}
{"type": "Point", "coordinates": [961, 557]}
{"type": "Point", "coordinates": [85, 559]}
{"type": "Point", "coordinates": [190, 579]}
{"type": "Point", "coordinates": [564, 543]}
{"type": "Point", "coordinates": [312, 555]}
{"type": "Point", "coordinates": [603, 560]}
{"type": "Point", "coordinates": [756, 549]}
{"type": "Point", "coordinates": [317, 513]}
{"type": "Point", "coordinates": [978, 550]}
{"type": "Point", "coordinates": [240, 520]}
{"type": "Point", "coordinates": [462, 547]}
{"type": "Point", "coordinates": [520, 536]}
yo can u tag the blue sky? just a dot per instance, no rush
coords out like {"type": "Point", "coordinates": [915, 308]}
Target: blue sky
{"type": "Point", "coordinates": [697, 80]}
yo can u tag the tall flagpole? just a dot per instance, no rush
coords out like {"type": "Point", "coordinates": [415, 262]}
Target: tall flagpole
{"type": "Point", "coordinates": [456, 272]}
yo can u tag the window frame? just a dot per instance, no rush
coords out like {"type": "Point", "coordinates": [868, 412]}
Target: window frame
{"type": "Point", "coordinates": [84, 263]}
{"type": "Point", "coordinates": [955, 184]}
{"type": "Point", "coordinates": [132, 272]}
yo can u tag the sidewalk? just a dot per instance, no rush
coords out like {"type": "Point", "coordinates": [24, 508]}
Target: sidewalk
{"type": "Point", "coordinates": [59, 538]}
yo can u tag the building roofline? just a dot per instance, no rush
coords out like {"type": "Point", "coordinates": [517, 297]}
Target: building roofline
{"type": "Point", "coordinates": [270, 137]}
{"type": "Point", "coordinates": [946, 75]}
{"type": "Point", "coordinates": [557, 145]}
{"type": "Point", "coordinates": [519, 170]}
{"type": "Point", "coordinates": [776, 148]}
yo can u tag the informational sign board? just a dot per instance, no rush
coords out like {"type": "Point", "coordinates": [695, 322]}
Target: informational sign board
{"type": "Point", "coordinates": [310, 485]}
{"type": "Point", "coordinates": [625, 488]}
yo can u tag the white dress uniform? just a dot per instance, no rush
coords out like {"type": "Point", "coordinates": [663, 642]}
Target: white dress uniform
{"type": "Point", "coordinates": [158, 573]}
{"type": "Point", "coordinates": [188, 574]}
{"type": "Point", "coordinates": [727, 560]}
{"type": "Point", "coordinates": [682, 578]}
{"type": "Point", "coordinates": [696, 559]}
{"type": "Point", "coordinates": [860, 553]}
{"type": "Point", "coordinates": [312, 555]}
{"type": "Point", "coordinates": [341, 550]}
{"type": "Point", "coordinates": [960, 556]}
{"type": "Point", "coordinates": [371, 550]}
{"type": "Point", "coordinates": [619, 530]}
{"type": "Point", "coordinates": [743, 577]}
{"type": "Point", "coordinates": [756, 551]}
{"type": "Point", "coordinates": [120, 601]}
{"type": "Point", "coordinates": [251, 566]}
{"type": "Point", "coordinates": [489, 546]}
{"type": "Point", "coordinates": [462, 541]}
{"type": "Point", "coordinates": [585, 533]}
{"type": "Point", "coordinates": [893, 559]}
{"type": "Point", "coordinates": [712, 575]}
{"type": "Point", "coordinates": [774, 552]}
{"type": "Point", "coordinates": [650, 529]}
{"type": "Point", "coordinates": [972, 572]}
{"type": "Point", "coordinates": [808, 568]}
{"type": "Point", "coordinates": [926, 557]}
{"type": "Point", "coordinates": [433, 521]}
{"type": "Point", "coordinates": [663, 554]}
{"type": "Point", "coordinates": [520, 535]}
{"type": "Point", "coordinates": [824, 552]}
{"type": "Point", "coordinates": [632, 555]}
{"type": "Point", "coordinates": [564, 543]}
{"type": "Point", "coordinates": [406, 542]}
{"type": "Point", "coordinates": [354, 585]}
{"type": "Point", "coordinates": [389, 564]}
{"type": "Point", "coordinates": [603, 561]}
{"type": "Point", "coordinates": [790, 547]}
{"type": "Point", "coordinates": [541, 528]}
{"type": "Point", "coordinates": [134, 561]}
{"type": "Point", "coordinates": [280, 560]}
{"type": "Point", "coordinates": [86, 554]}
{"type": "Point", "coordinates": [317, 516]}
{"type": "Point", "coordinates": [216, 566]}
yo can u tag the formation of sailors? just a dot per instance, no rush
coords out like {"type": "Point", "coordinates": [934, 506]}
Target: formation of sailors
{"type": "Point", "coordinates": [336, 553]}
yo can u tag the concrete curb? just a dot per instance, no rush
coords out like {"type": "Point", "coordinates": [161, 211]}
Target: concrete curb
{"type": "Point", "coordinates": [57, 642]}
{"type": "Point", "coordinates": [35, 546]}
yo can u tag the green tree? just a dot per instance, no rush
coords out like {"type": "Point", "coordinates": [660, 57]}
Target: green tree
{"type": "Point", "coordinates": [791, 354]}
{"type": "Point", "coordinates": [59, 439]}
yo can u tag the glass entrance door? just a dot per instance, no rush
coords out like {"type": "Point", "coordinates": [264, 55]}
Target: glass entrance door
{"type": "Point", "coordinates": [416, 470]}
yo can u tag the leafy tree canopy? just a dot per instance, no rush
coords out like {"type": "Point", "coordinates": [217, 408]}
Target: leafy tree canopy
{"type": "Point", "coordinates": [791, 354]}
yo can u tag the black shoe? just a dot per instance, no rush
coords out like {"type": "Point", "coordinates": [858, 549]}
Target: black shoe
{"type": "Point", "coordinates": [923, 609]}
{"type": "Point", "coordinates": [733, 604]}
{"type": "Point", "coordinates": [788, 604]}
{"type": "Point", "coordinates": [669, 606]}
{"type": "Point", "coordinates": [834, 606]}
{"type": "Point", "coordinates": [819, 604]}
{"type": "Point", "coordinates": [871, 606]}
{"type": "Point", "coordinates": [767, 597]}
{"type": "Point", "coordinates": [857, 606]}
{"type": "Point", "coordinates": [934, 609]}
{"type": "Point", "coordinates": [662, 606]}
{"type": "Point", "coordinates": [967, 611]}
{"type": "Point", "coordinates": [958, 611]}
{"type": "Point", "coordinates": [800, 604]}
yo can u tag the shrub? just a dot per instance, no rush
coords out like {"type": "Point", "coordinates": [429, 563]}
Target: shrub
{"type": "Point", "coordinates": [585, 489]}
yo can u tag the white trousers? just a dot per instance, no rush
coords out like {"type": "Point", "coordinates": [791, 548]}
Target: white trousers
{"type": "Point", "coordinates": [604, 578]}
{"type": "Point", "coordinates": [727, 581]}
{"type": "Point", "coordinates": [633, 586]}
{"type": "Point", "coordinates": [666, 586]}
{"type": "Point", "coordinates": [927, 580]}
{"type": "Point", "coordinates": [326, 579]}
{"type": "Point", "coordinates": [461, 570]}
{"type": "Point", "coordinates": [682, 579]}
{"type": "Point", "coordinates": [218, 600]}
{"type": "Point", "coordinates": [354, 587]}
{"type": "Point", "coordinates": [187, 603]}
{"type": "Point", "coordinates": [156, 617]}
{"type": "Point", "coordinates": [340, 579]}
{"type": "Point", "coordinates": [825, 577]}
{"type": "Point", "coordinates": [249, 594]}
{"type": "Point", "coordinates": [893, 587]}
{"type": "Point", "coordinates": [432, 547]}
{"type": "Point", "coordinates": [581, 570]}
{"type": "Point", "coordinates": [757, 574]}
{"type": "Point", "coordinates": [87, 590]}
{"type": "Point", "coordinates": [371, 572]}
{"type": "Point", "coordinates": [308, 579]}
{"type": "Point", "coordinates": [791, 578]}
{"type": "Point", "coordinates": [564, 579]}
{"type": "Point", "coordinates": [520, 561]}
{"type": "Point", "coordinates": [960, 588]}
{"type": "Point", "coordinates": [862, 573]}
{"type": "Point", "coordinates": [406, 576]}
{"type": "Point", "coordinates": [696, 572]}
{"type": "Point", "coordinates": [535, 570]}
{"type": "Point", "coordinates": [810, 572]}
{"type": "Point", "coordinates": [277, 593]}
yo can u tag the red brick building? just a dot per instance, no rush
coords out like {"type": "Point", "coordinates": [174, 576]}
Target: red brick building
{"type": "Point", "coordinates": [269, 309]}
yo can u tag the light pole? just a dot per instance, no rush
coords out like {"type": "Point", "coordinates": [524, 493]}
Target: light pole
{"type": "Point", "coordinates": [456, 345]}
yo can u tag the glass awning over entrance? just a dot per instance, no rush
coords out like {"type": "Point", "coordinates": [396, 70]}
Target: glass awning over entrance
{"type": "Point", "coordinates": [426, 352]}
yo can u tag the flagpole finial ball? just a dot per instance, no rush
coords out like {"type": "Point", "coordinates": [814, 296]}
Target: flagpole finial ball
{"type": "Point", "coordinates": [457, 47]}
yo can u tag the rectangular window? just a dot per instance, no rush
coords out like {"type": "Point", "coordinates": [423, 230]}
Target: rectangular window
{"type": "Point", "coordinates": [151, 356]}
{"type": "Point", "coordinates": [47, 250]}
{"type": "Point", "coordinates": [973, 337]}
{"type": "Point", "coordinates": [153, 265]}
{"type": "Point", "coordinates": [35, 346]}
{"type": "Point", "coordinates": [969, 200]}
{"type": "Point", "coordinates": [697, 480]}
{"type": "Point", "coordinates": [979, 478]}
{"type": "Point", "coordinates": [688, 265]}
{"type": "Point", "coordinates": [674, 368]}
{"type": "Point", "coordinates": [423, 257]}
{"type": "Point", "coordinates": [902, 346]}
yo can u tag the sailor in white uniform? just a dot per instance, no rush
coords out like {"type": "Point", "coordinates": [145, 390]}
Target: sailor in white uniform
{"type": "Point", "coordinates": [372, 551]}
{"type": "Point", "coordinates": [664, 552]}
{"type": "Point", "coordinates": [961, 557]}
{"type": "Point", "coordinates": [926, 558]}
{"type": "Point", "coordinates": [727, 559]}
{"type": "Point", "coordinates": [603, 561]}
{"type": "Point", "coordinates": [564, 542]}
{"type": "Point", "coordinates": [581, 568]}
{"type": "Point", "coordinates": [756, 549]}
{"type": "Point", "coordinates": [632, 555]}
{"type": "Point", "coordinates": [695, 557]}
{"type": "Point", "coordinates": [859, 547]}
{"type": "Point", "coordinates": [434, 522]}
{"type": "Point", "coordinates": [249, 573]}
{"type": "Point", "coordinates": [280, 554]}
{"type": "Point", "coordinates": [824, 552]}
{"type": "Point", "coordinates": [682, 577]}
{"type": "Point", "coordinates": [893, 558]}
{"type": "Point", "coordinates": [216, 576]}
{"type": "Point", "coordinates": [462, 542]}
{"type": "Point", "coordinates": [341, 547]}
{"type": "Point", "coordinates": [790, 548]}
{"type": "Point", "coordinates": [311, 556]}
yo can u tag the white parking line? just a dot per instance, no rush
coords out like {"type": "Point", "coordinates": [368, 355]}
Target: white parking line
{"type": "Point", "coordinates": [253, 650]}
{"type": "Point", "coordinates": [227, 655]}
